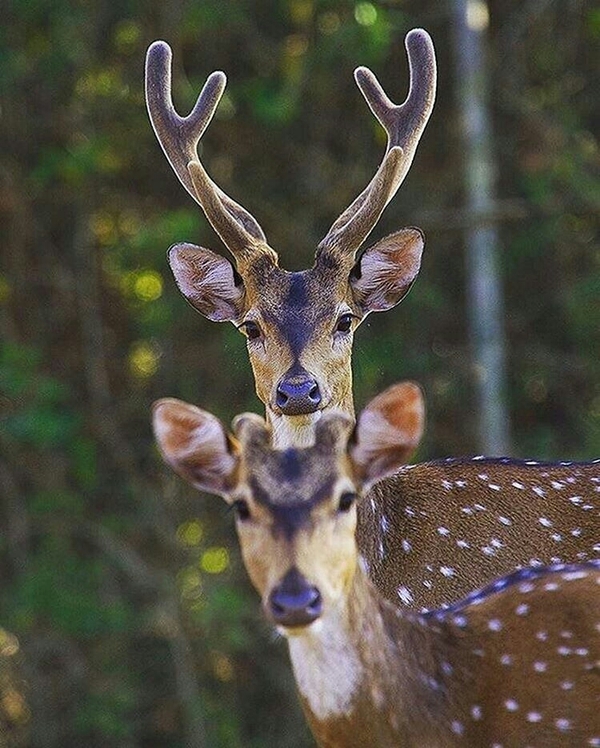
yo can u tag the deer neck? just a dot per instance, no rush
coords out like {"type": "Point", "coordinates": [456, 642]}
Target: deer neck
{"type": "Point", "coordinates": [370, 674]}
{"type": "Point", "coordinates": [299, 431]}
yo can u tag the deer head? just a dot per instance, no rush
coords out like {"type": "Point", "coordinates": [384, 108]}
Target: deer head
{"type": "Point", "coordinates": [295, 508]}
{"type": "Point", "coordinates": [299, 325]}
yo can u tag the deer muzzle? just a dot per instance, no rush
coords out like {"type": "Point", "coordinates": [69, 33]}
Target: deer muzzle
{"type": "Point", "coordinates": [297, 393]}
{"type": "Point", "coordinates": [294, 602]}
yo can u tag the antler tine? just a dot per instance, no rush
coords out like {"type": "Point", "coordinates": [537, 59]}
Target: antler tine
{"type": "Point", "coordinates": [179, 138]}
{"type": "Point", "coordinates": [404, 125]}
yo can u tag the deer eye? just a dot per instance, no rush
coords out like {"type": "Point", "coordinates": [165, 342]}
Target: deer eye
{"type": "Point", "coordinates": [344, 323]}
{"type": "Point", "coordinates": [241, 509]}
{"type": "Point", "coordinates": [251, 330]}
{"type": "Point", "coordinates": [346, 501]}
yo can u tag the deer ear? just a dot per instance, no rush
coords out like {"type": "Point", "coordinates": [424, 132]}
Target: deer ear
{"type": "Point", "coordinates": [208, 281]}
{"type": "Point", "coordinates": [195, 444]}
{"type": "Point", "coordinates": [385, 272]}
{"type": "Point", "coordinates": [387, 432]}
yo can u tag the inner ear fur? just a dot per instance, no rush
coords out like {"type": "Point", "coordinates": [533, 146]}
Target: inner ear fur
{"type": "Point", "coordinates": [195, 444]}
{"type": "Point", "coordinates": [208, 281]}
{"type": "Point", "coordinates": [385, 272]}
{"type": "Point", "coordinates": [388, 431]}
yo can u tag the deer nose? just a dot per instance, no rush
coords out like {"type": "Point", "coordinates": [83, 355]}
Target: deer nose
{"type": "Point", "coordinates": [298, 393]}
{"type": "Point", "coordinates": [295, 602]}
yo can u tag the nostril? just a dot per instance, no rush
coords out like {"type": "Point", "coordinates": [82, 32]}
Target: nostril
{"type": "Point", "coordinates": [282, 398]}
{"type": "Point", "coordinates": [314, 394]}
{"type": "Point", "coordinates": [314, 606]}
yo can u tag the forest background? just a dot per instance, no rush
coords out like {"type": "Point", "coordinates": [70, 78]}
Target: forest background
{"type": "Point", "coordinates": [125, 615]}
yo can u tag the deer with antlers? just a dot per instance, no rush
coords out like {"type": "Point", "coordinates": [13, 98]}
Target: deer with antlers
{"type": "Point", "coordinates": [433, 531]}
{"type": "Point", "coordinates": [514, 664]}
{"type": "Point", "coordinates": [299, 325]}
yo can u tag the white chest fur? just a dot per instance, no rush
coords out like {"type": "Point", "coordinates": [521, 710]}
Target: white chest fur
{"type": "Point", "coordinates": [327, 668]}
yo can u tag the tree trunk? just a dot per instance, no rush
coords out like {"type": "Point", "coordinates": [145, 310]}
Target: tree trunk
{"type": "Point", "coordinates": [484, 293]}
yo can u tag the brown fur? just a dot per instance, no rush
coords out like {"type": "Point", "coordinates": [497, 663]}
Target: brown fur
{"type": "Point", "coordinates": [434, 531]}
{"type": "Point", "coordinates": [515, 664]}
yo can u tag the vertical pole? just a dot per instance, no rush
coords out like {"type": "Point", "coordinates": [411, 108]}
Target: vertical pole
{"type": "Point", "coordinates": [485, 307]}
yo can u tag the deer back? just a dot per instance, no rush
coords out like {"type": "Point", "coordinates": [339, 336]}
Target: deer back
{"type": "Point", "coordinates": [436, 530]}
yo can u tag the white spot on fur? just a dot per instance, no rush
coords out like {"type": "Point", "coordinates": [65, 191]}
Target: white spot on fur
{"type": "Point", "coordinates": [569, 575]}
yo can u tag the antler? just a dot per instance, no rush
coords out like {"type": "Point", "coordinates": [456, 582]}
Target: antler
{"type": "Point", "coordinates": [404, 125]}
{"type": "Point", "coordinates": [179, 138]}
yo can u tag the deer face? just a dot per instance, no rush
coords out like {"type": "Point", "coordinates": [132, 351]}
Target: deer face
{"type": "Point", "coordinates": [296, 521]}
{"type": "Point", "coordinates": [295, 508]}
{"type": "Point", "coordinates": [299, 325]}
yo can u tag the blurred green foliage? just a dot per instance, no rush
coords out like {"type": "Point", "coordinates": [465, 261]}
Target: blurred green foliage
{"type": "Point", "coordinates": [125, 616]}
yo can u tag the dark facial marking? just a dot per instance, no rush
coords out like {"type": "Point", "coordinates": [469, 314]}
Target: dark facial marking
{"type": "Point", "coordinates": [297, 296]}
{"type": "Point", "coordinates": [296, 324]}
{"type": "Point", "coordinates": [291, 467]}
{"type": "Point", "coordinates": [288, 519]}
{"type": "Point", "coordinates": [287, 497]}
